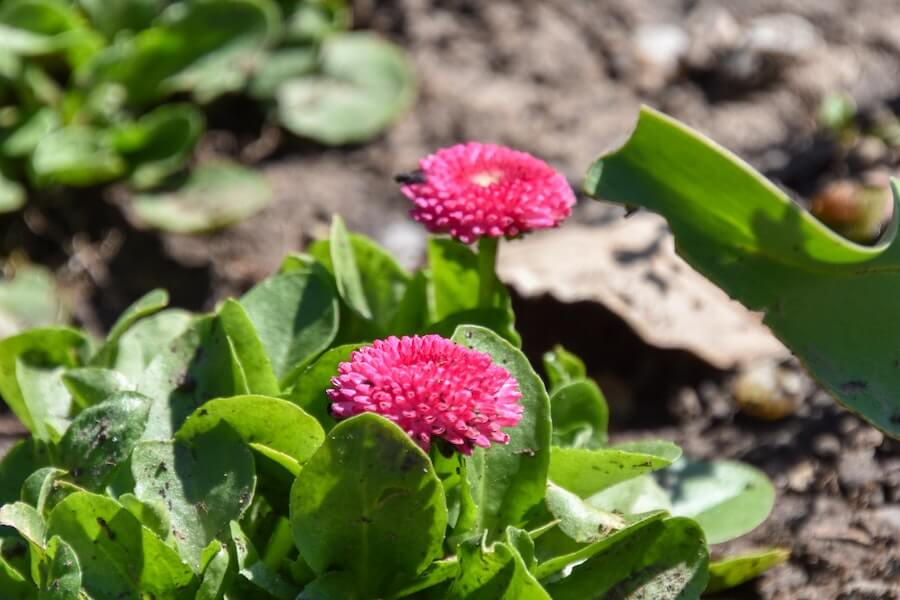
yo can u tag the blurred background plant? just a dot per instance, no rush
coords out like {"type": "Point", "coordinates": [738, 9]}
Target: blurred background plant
{"type": "Point", "coordinates": [96, 91]}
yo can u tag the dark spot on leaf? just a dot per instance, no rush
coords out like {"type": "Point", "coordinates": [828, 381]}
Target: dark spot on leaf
{"type": "Point", "coordinates": [203, 412]}
{"type": "Point", "coordinates": [105, 527]}
{"type": "Point", "coordinates": [365, 519]}
{"type": "Point", "coordinates": [854, 386]}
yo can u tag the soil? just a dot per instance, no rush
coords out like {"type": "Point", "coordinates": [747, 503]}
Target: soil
{"type": "Point", "coordinates": [563, 80]}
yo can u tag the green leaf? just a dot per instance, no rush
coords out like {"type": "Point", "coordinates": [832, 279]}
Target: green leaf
{"type": "Point", "coordinates": [727, 498]}
{"type": "Point", "coordinates": [437, 573]}
{"type": "Point", "coordinates": [160, 143]}
{"type": "Point", "coordinates": [25, 519]}
{"type": "Point", "coordinates": [296, 317]}
{"type": "Point", "coordinates": [312, 383]}
{"type": "Point", "coordinates": [20, 461]}
{"type": "Point", "coordinates": [455, 280]}
{"type": "Point", "coordinates": [144, 341]}
{"type": "Point", "coordinates": [12, 195]}
{"type": "Point", "coordinates": [637, 495]}
{"type": "Point", "coordinates": [279, 66]}
{"type": "Point", "coordinates": [248, 349]}
{"type": "Point", "coordinates": [498, 320]}
{"type": "Point", "coordinates": [29, 299]}
{"type": "Point", "coordinates": [330, 586]}
{"type": "Point", "coordinates": [49, 402]}
{"type": "Point", "coordinates": [495, 571]}
{"type": "Point", "coordinates": [171, 380]}
{"type": "Point", "coordinates": [38, 489]}
{"type": "Point", "coordinates": [212, 196]}
{"type": "Point", "coordinates": [172, 57]}
{"type": "Point", "coordinates": [364, 83]}
{"type": "Point", "coordinates": [63, 578]}
{"type": "Point", "coordinates": [102, 437]}
{"type": "Point", "coordinates": [663, 559]}
{"type": "Point", "coordinates": [559, 551]}
{"type": "Point", "coordinates": [254, 570]}
{"type": "Point", "coordinates": [830, 300]}
{"type": "Point", "coordinates": [735, 570]}
{"type": "Point", "coordinates": [119, 558]}
{"type": "Point", "coordinates": [76, 155]}
{"type": "Point", "coordinates": [580, 521]}
{"type": "Point", "coordinates": [145, 306]}
{"type": "Point", "coordinates": [21, 141]}
{"type": "Point", "coordinates": [34, 27]}
{"type": "Point", "coordinates": [509, 481]}
{"type": "Point", "coordinates": [112, 16]}
{"type": "Point", "coordinates": [562, 367]}
{"type": "Point", "coordinates": [579, 414]}
{"type": "Point", "coordinates": [271, 426]}
{"type": "Point", "coordinates": [92, 385]}
{"type": "Point", "coordinates": [309, 22]}
{"type": "Point", "coordinates": [14, 584]}
{"type": "Point", "coordinates": [369, 503]}
{"type": "Point", "coordinates": [215, 564]}
{"type": "Point", "coordinates": [585, 472]}
{"type": "Point", "coordinates": [205, 484]}
{"type": "Point", "coordinates": [368, 278]}
{"type": "Point", "coordinates": [153, 515]}
{"type": "Point", "coordinates": [48, 346]}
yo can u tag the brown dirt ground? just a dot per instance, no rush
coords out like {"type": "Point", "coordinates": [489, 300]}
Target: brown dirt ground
{"type": "Point", "coordinates": [563, 80]}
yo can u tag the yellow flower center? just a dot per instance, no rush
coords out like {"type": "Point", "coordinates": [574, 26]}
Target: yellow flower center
{"type": "Point", "coordinates": [486, 178]}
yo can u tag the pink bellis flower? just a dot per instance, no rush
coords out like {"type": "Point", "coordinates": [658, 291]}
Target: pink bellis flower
{"type": "Point", "coordinates": [482, 190]}
{"type": "Point", "coordinates": [432, 388]}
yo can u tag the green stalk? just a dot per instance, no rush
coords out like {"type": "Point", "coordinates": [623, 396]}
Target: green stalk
{"type": "Point", "coordinates": [487, 270]}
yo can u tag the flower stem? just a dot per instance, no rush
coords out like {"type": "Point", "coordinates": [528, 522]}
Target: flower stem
{"type": "Point", "coordinates": [487, 269]}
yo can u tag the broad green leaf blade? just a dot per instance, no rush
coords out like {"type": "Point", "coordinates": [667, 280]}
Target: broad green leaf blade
{"type": "Point", "coordinates": [12, 194]}
{"type": "Point", "coordinates": [39, 486]}
{"type": "Point", "coordinates": [119, 558]}
{"type": "Point", "coordinates": [558, 551]}
{"type": "Point", "coordinates": [281, 65]}
{"type": "Point", "coordinates": [160, 143]}
{"type": "Point", "coordinates": [727, 498]}
{"type": "Point", "coordinates": [29, 299]}
{"type": "Point", "coordinates": [215, 564]}
{"type": "Point", "coordinates": [14, 584]}
{"type": "Point", "coordinates": [579, 520]}
{"type": "Point", "coordinates": [205, 484]}
{"type": "Point", "coordinates": [254, 570]}
{"type": "Point", "coordinates": [579, 414]}
{"type": "Point", "coordinates": [112, 16]}
{"type": "Point", "coordinates": [152, 302]}
{"type": "Point", "coordinates": [248, 349]}
{"type": "Point", "coordinates": [637, 495]}
{"type": "Point", "coordinates": [831, 301]}
{"type": "Point", "coordinates": [153, 515]}
{"type": "Point", "coordinates": [63, 578]}
{"type": "Point", "coordinates": [585, 472]}
{"type": "Point", "coordinates": [48, 401]}
{"type": "Point", "coordinates": [270, 423]}
{"type": "Point", "coordinates": [53, 346]}
{"type": "Point", "coordinates": [663, 559]}
{"type": "Point", "coordinates": [508, 481]}
{"type": "Point", "coordinates": [735, 570]}
{"type": "Point", "coordinates": [143, 342]}
{"type": "Point", "coordinates": [28, 132]}
{"type": "Point", "coordinates": [561, 367]}
{"type": "Point", "coordinates": [212, 196]}
{"type": "Point", "coordinates": [92, 385]}
{"type": "Point", "coordinates": [20, 461]}
{"type": "Point", "coordinates": [312, 383]}
{"type": "Point", "coordinates": [438, 572]}
{"type": "Point", "coordinates": [497, 571]}
{"type": "Point", "coordinates": [369, 503]}
{"type": "Point", "coordinates": [77, 155]}
{"type": "Point", "coordinates": [102, 437]}
{"type": "Point", "coordinates": [296, 317]}
{"type": "Point", "coordinates": [333, 585]}
{"type": "Point", "coordinates": [364, 83]}
{"type": "Point", "coordinates": [25, 519]}
{"type": "Point", "coordinates": [368, 278]}
{"type": "Point", "coordinates": [455, 280]}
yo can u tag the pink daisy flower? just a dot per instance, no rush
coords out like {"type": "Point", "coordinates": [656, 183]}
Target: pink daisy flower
{"type": "Point", "coordinates": [474, 190]}
{"type": "Point", "coordinates": [430, 387]}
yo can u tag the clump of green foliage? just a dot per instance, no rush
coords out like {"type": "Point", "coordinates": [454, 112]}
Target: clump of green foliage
{"type": "Point", "coordinates": [93, 91]}
{"type": "Point", "coordinates": [194, 456]}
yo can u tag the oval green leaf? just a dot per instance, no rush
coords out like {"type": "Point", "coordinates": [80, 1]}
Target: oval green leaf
{"type": "Point", "coordinates": [369, 503]}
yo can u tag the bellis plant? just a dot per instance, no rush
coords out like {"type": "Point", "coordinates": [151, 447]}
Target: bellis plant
{"type": "Point", "coordinates": [348, 429]}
